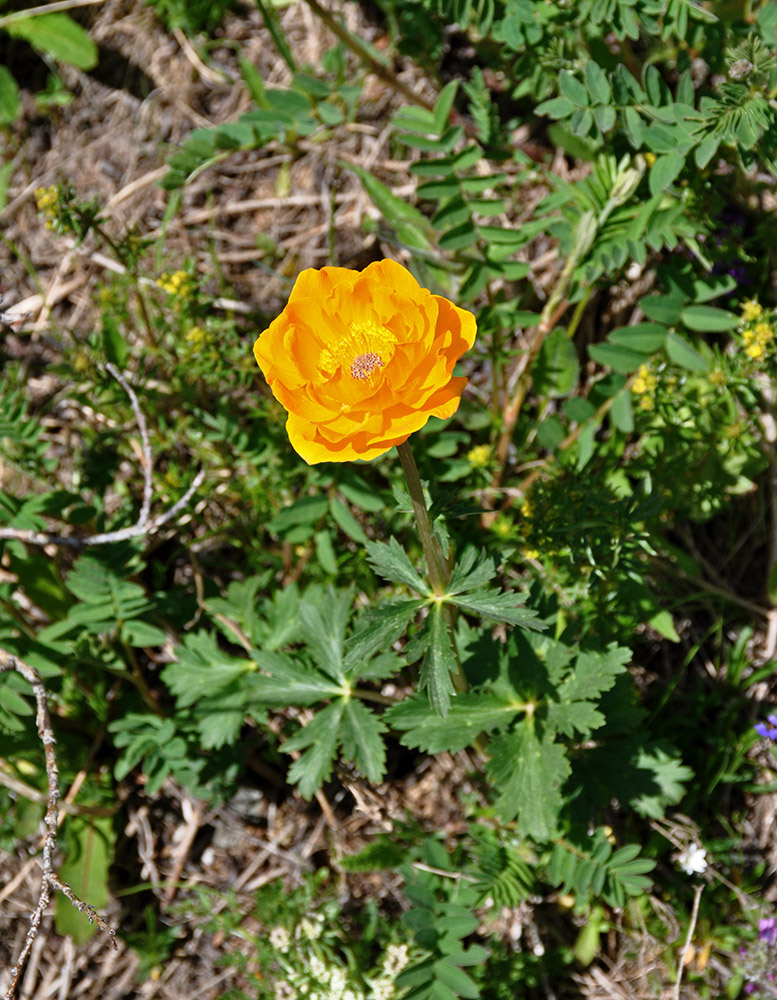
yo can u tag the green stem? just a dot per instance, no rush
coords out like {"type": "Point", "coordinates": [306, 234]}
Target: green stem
{"type": "Point", "coordinates": [437, 568]}
{"type": "Point", "coordinates": [435, 564]}
{"type": "Point", "coordinates": [376, 696]}
{"type": "Point", "coordinates": [132, 271]}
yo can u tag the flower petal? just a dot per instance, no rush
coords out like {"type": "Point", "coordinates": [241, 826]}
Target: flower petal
{"type": "Point", "coordinates": [361, 360]}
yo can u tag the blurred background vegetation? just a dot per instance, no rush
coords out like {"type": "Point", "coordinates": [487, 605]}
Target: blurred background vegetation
{"type": "Point", "coordinates": [595, 179]}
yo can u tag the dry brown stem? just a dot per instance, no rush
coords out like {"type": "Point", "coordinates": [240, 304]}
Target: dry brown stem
{"type": "Point", "coordinates": [50, 881]}
{"type": "Point", "coordinates": [145, 524]}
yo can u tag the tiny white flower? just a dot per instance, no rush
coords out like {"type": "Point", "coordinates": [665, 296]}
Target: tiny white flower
{"type": "Point", "coordinates": [280, 939]}
{"type": "Point", "coordinates": [396, 959]}
{"type": "Point", "coordinates": [693, 860]}
{"type": "Point", "coordinates": [337, 981]}
{"type": "Point", "coordinates": [285, 991]}
{"type": "Point", "coordinates": [318, 970]}
{"type": "Point", "coordinates": [312, 927]}
{"type": "Point", "coordinates": [382, 989]}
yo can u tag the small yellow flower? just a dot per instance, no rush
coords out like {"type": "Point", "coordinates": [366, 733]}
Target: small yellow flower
{"type": "Point", "coordinates": [717, 378]}
{"type": "Point", "coordinates": [479, 456]}
{"type": "Point", "coordinates": [527, 508]}
{"type": "Point", "coordinates": [751, 311]}
{"type": "Point", "coordinates": [531, 553]}
{"type": "Point", "coordinates": [196, 336]}
{"type": "Point", "coordinates": [645, 382]}
{"type": "Point", "coordinates": [764, 333]}
{"type": "Point", "coordinates": [502, 526]}
{"type": "Point", "coordinates": [755, 351]}
{"type": "Point", "coordinates": [47, 199]}
{"type": "Point", "coordinates": [650, 159]}
{"type": "Point", "coordinates": [646, 403]}
{"type": "Point", "coordinates": [175, 283]}
{"type": "Point", "coordinates": [748, 337]}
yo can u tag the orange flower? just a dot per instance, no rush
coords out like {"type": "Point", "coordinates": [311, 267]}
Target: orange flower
{"type": "Point", "coordinates": [362, 359]}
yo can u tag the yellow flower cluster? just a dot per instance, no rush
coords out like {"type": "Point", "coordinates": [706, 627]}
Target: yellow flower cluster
{"type": "Point", "coordinates": [197, 337]}
{"type": "Point", "coordinates": [479, 456]}
{"type": "Point", "coordinates": [502, 527]}
{"type": "Point", "coordinates": [176, 283]}
{"type": "Point", "coordinates": [756, 339]}
{"type": "Point", "coordinates": [47, 202]}
{"type": "Point", "coordinates": [751, 311]}
{"type": "Point", "coordinates": [644, 385]}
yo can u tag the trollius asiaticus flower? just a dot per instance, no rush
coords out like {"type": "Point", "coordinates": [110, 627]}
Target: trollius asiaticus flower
{"type": "Point", "coordinates": [362, 359]}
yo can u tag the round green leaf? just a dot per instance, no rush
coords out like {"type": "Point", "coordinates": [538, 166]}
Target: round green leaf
{"type": "Point", "coordinates": [665, 170]}
{"type": "Point", "coordinates": [621, 359]}
{"type": "Point", "coordinates": [681, 352]}
{"type": "Point", "coordinates": [709, 319]}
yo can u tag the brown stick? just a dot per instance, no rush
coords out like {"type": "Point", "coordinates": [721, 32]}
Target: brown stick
{"type": "Point", "coordinates": [50, 880]}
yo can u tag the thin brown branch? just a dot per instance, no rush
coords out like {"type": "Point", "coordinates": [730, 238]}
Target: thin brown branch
{"type": "Point", "coordinates": [50, 880]}
{"type": "Point", "coordinates": [145, 525]}
{"type": "Point", "coordinates": [688, 939]}
{"type": "Point", "coordinates": [106, 537]}
{"type": "Point", "coordinates": [148, 463]}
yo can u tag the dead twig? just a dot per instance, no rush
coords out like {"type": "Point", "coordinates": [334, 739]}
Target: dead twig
{"type": "Point", "coordinates": [145, 524]}
{"type": "Point", "coordinates": [50, 880]}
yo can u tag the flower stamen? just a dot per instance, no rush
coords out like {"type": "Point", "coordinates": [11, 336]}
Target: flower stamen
{"type": "Point", "coordinates": [364, 349]}
{"type": "Point", "coordinates": [363, 366]}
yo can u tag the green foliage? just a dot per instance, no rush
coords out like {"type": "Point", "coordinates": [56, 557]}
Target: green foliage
{"type": "Point", "coordinates": [309, 106]}
{"type": "Point", "coordinates": [192, 16]}
{"type": "Point", "coordinates": [55, 36]}
{"type": "Point", "coordinates": [88, 855]}
{"type": "Point", "coordinates": [439, 926]}
{"type": "Point", "coordinates": [596, 870]}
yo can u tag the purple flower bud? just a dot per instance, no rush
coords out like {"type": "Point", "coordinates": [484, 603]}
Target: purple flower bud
{"type": "Point", "coordinates": [769, 731]}
{"type": "Point", "coordinates": [767, 930]}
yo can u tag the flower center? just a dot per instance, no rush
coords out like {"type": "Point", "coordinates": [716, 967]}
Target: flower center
{"type": "Point", "coordinates": [365, 365]}
{"type": "Point", "coordinates": [364, 349]}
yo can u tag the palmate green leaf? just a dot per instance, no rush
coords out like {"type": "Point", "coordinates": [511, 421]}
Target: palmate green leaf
{"type": "Point", "coordinates": [384, 665]}
{"type": "Point", "coordinates": [669, 776]}
{"type": "Point", "coordinates": [318, 740]}
{"type": "Point", "coordinates": [280, 624]}
{"type": "Point", "coordinates": [361, 740]}
{"type": "Point", "coordinates": [595, 671]}
{"type": "Point", "coordinates": [468, 715]}
{"type": "Point", "coordinates": [385, 624]}
{"type": "Point", "coordinates": [466, 590]}
{"type": "Point", "coordinates": [324, 618]}
{"type": "Point", "coordinates": [202, 668]}
{"type": "Point", "coordinates": [439, 662]}
{"type": "Point", "coordinates": [473, 570]}
{"type": "Point", "coordinates": [240, 604]}
{"type": "Point", "coordinates": [346, 723]}
{"type": "Point", "coordinates": [220, 719]}
{"type": "Point", "coordinates": [290, 681]}
{"type": "Point", "coordinates": [392, 563]}
{"type": "Point", "coordinates": [498, 606]}
{"type": "Point", "coordinates": [528, 772]}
